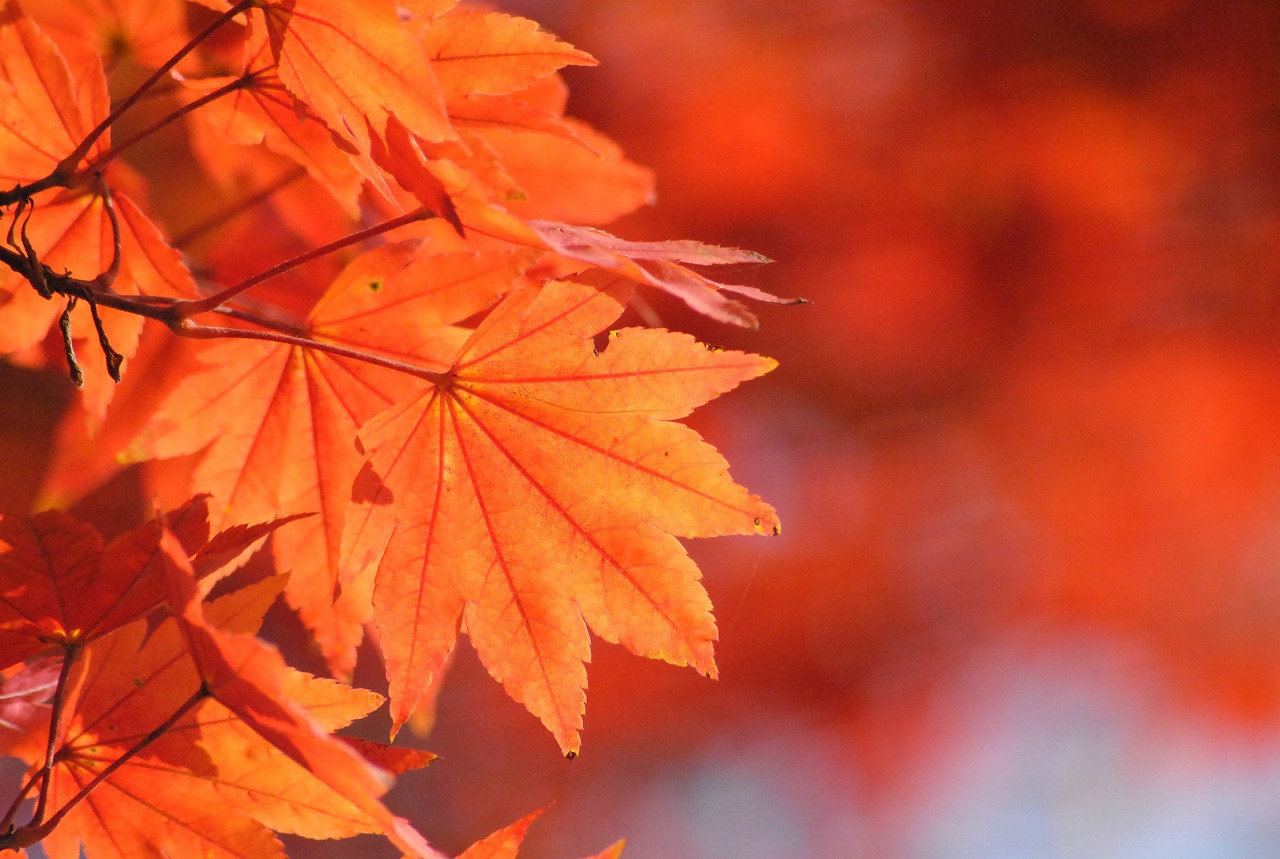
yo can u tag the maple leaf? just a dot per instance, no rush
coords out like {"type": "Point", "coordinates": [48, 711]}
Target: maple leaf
{"type": "Point", "coordinates": [45, 113]}
{"type": "Point", "coordinates": [505, 843]}
{"type": "Point", "coordinates": [488, 53]}
{"type": "Point", "coordinates": [662, 265]}
{"type": "Point", "coordinates": [60, 586]}
{"type": "Point", "coordinates": [356, 66]}
{"type": "Point", "coordinates": [263, 111]}
{"type": "Point", "coordinates": [161, 799]}
{"type": "Point", "coordinates": [74, 232]}
{"type": "Point", "coordinates": [250, 680]}
{"type": "Point", "coordinates": [45, 110]}
{"type": "Point", "coordinates": [582, 178]}
{"type": "Point", "coordinates": [281, 420]}
{"type": "Point", "coordinates": [209, 784]}
{"type": "Point", "coordinates": [148, 31]}
{"type": "Point", "coordinates": [537, 489]}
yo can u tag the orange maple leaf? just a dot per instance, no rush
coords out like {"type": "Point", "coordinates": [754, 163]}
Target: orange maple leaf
{"type": "Point", "coordinates": [356, 66]}
{"type": "Point", "coordinates": [505, 843]}
{"type": "Point", "coordinates": [142, 30]}
{"type": "Point", "coordinates": [161, 798]}
{"type": "Point", "coordinates": [281, 420]}
{"type": "Point", "coordinates": [582, 178]}
{"type": "Point", "coordinates": [210, 783]}
{"type": "Point", "coordinates": [250, 680]}
{"type": "Point", "coordinates": [537, 489]}
{"type": "Point", "coordinates": [263, 111]}
{"type": "Point", "coordinates": [487, 53]}
{"type": "Point", "coordinates": [46, 110]}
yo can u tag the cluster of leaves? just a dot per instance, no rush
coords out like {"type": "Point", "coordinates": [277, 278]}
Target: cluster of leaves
{"type": "Point", "coordinates": [428, 426]}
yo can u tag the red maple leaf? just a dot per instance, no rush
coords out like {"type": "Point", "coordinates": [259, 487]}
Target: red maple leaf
{"type": "Point", "coordinates": [61, 587]}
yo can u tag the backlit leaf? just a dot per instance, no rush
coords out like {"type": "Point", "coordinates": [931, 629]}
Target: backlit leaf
{"type": "Point", "coordinates": [356, 66]}
{"type": "Point", "coordinates": [536, 491]}
{"type": "Point", "coordinates": [280, 421]}
{"type": "Point", "coordinates": [488, 53]}
{"type": "Point", "coordinates": [250, 680]}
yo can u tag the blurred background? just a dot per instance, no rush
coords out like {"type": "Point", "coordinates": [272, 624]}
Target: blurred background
{"type": "Point", "coordinates": [1025, 442]}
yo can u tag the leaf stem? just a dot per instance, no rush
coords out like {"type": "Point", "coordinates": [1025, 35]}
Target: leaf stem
{"type": "Point", "coordinates": [30, 834]}
{"type": "Point", "coordinates": [115, 151]}
{"type": "Point", "coordinates": [69, 652]}
{"type": "Point", "coordinates": [67, 166]}
{"type": "Point", "coordinates": [6, 825]}
{"type": "Point", "coordinates": [203, 305]}
{"type": "Point", "coordinates": [188, 328]}
{"type": "Point", "coordinates": [221, 217]}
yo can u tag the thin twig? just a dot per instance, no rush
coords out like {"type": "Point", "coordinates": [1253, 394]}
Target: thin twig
{"type": "Point", "coordinates": [188, 328]}
{"type": "Point", "coordinates": [69, 652]}
{"type": "Point", "coordinates": [204, 305]}
{"type": "Point", "coordinates": [30, 834]}
{"type": "Point", "coordinates": [222, 216]}
{"type": "Point", "coordinates": [6, 825]}
{"type": "Point", "coordinates": [67, 166]}
{"type": "Point", "coordinates": [68, 345]}
{"type": "Point", "coordinates": [98, 163]}
{"type": "Point", "coordinates": [107, 279]}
